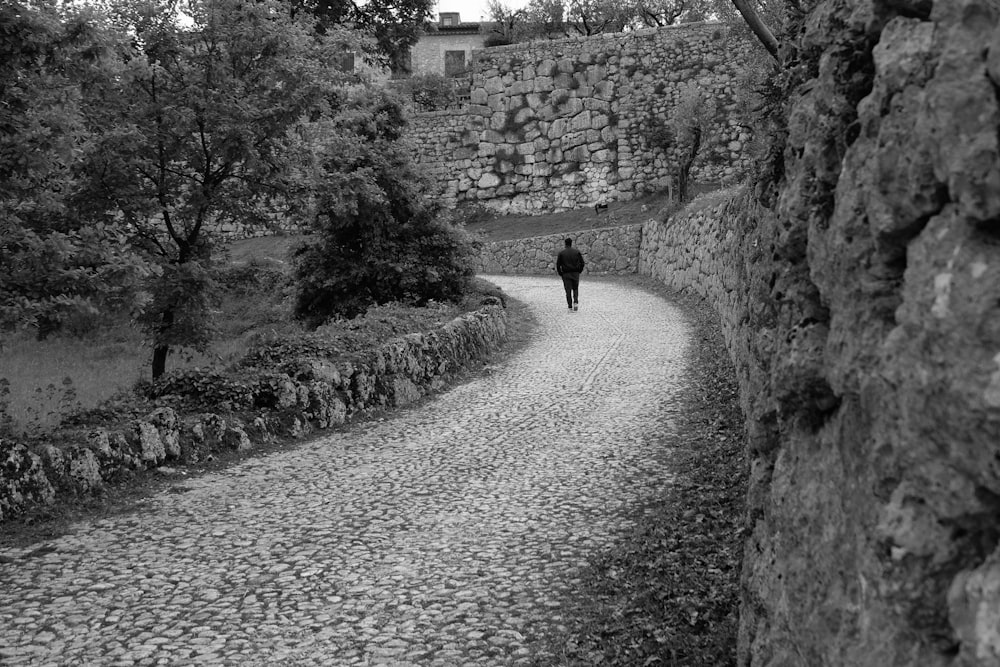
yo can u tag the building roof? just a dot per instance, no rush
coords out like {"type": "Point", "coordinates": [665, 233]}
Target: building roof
{"type": "Point", "coordinates": [450, 23]}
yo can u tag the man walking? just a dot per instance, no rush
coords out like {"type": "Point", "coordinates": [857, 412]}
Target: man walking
{"type": "Point", "coordinates": [569, 264]}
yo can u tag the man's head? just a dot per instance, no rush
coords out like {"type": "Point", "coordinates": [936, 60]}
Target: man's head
{"type": "Point", "coordinates": [569, 242]}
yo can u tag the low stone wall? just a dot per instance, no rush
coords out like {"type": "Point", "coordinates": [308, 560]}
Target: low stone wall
{"type": "Point", "coordinates": [313, 393]}
{"type": "Point", "coordinates": [611, 250]}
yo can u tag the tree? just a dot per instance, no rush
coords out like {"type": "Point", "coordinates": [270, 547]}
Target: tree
{"type": "Point", "coordinates": [377, 235]}
{"type": "Point", "coordinates": [758, 27]}
{"type": "Point", "coordinates": [656, 13]}
{"type": "Point", "coordinates": [394, 26]}
{"type": "Point", "coordinates": [690, 118]}
{"type": "Point", "coordinates": [204, 126]}
{"type": "Point", "coordinates": [506, 25]}
{"type": "Point", "coordinates": [53, 263]}
{"type": "Point", "coordinates": [594, 17]}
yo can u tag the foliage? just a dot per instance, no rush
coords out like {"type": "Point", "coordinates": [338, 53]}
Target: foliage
{"type": "Point", "coordinates": [506, 25]}
{"type": "Point", "coordinates": [553, 19]}
{"type": "Point", "coordinates": [205, 388]}
{"type": "Point", "coordinates": [377, 238]}
{"type": "Point", "coordinates": [253, 277]}
{"type": "Point", "coordinates": [203, 126]}
{"type": "Point", "coordinates": [393, 25]}
{"type": "Point", "coordinates": [690, 118]}
{"type": "Point", "coordinates": [655, 13]}
{"type": "Point", "coordinates": [53, 264]}
{"type": "Point", "coordinates": [186, 293]}
{"type": "Point", "coordinates": [430, 92]}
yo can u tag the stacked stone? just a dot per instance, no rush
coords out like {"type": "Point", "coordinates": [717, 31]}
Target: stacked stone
{"type": "Point", "coordinates": [612, 250]}
{"type": "Point", "coordinates": [322, 394]}
{"type": "Point", "coordinates": [557, 125]}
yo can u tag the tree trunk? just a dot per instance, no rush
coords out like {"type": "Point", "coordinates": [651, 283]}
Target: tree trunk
{"type": "Point", "coordinates": [683, 175]}
{"type": "Point", "coordinates": [160, 351]}
{"type": "Point", "coordinates": [757, 26]}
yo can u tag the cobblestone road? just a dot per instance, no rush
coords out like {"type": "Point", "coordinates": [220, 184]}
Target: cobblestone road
{"type": "Point", "coordinates": [446, 534]}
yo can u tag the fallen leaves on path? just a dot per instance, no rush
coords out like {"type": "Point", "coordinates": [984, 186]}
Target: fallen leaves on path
{"type": "Point", "coordinates": [667, 594]}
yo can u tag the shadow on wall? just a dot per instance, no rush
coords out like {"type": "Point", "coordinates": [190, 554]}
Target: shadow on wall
{"type": "Point", "coordinates": [561, 125]}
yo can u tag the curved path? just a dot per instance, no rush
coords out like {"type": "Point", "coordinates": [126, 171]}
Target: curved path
{"type": "Point", "coordinates": [446, 534]}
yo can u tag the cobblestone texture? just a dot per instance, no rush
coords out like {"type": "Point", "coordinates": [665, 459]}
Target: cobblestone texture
{"type": "Point", "coordinates": [446, 534]}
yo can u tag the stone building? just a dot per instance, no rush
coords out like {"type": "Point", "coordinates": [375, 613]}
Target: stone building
{"type": "Point", "coordinates": [446, 47]}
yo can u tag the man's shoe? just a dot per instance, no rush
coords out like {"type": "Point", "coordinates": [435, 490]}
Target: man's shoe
{"type": "Point", "coordinates": [576, 307]}
{"type": "Point", "coordinates": [571, 309]}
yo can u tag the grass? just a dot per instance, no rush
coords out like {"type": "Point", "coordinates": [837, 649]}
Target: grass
{"type": "Point", "coordinates": [43, 382]}
{"type": "Point", "coordinates": [50, 378]}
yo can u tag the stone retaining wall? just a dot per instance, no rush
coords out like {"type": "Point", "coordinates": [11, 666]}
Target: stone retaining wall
{"type": "Point", "coordinates": [561, 124]}
{"type": "Point", "coordinates": [612, 250]}
{"type": "Point", "coordinates": [860, 297]}
{"type": "Point", "coordinates": [317, 394]}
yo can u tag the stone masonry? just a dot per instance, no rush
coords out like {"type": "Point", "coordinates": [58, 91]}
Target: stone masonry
{"type": "Point", "coordinates": [612, 250]}
{"type": "Point", "coordinates": [860, 297]}
{"type": "Point", "coordinates": [555, 125]}
{"type": "Point", "coordinates": [318, 393]}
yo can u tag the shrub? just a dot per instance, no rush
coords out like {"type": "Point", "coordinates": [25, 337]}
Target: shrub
{"type": "Point", "coordinates": [430, 92]}
{"type": "Point", "coordinates": [377, 235]}
{"type": "Point", "coordinates": [253, 277]}
{"type": "Point", "coordinates": [205, 388]}
{"type": "Point", "coordinates": [350, 270]}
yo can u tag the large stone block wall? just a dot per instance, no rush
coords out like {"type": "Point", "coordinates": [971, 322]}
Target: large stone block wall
{"type": "Point", "coordinates": [860, 297]}
{"type": "Point", "coordinates": [557, 125]}
{"type": "Point", "coordinates": [316, 394]}
{"type": "Point", "coordinates": [612, 250]}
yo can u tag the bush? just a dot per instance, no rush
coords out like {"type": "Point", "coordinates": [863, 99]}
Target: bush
{"type": "Point", "coordinates": [253, 277]}
{"type": "Point", "coordinates": [345, 273]}
{"type": "Point", "coordinates": [430, 92]}
{"type": "Point", "coordinates": [377, 235]}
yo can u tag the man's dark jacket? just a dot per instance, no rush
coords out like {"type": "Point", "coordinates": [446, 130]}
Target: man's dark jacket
{"type": "Point", "coordinates": [569, 262]}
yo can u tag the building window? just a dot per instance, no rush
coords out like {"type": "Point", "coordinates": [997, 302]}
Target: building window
{"type": "Point", "coordinates": [454, 63]}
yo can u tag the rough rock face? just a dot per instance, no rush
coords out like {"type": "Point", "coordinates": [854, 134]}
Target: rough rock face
{"type": "Point", "coordinates": [862, 308]}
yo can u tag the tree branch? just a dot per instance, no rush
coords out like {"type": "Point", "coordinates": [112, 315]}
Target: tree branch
{"type": "Point", "coordinates": [762, 32]}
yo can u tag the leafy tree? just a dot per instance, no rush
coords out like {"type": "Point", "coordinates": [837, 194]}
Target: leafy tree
{"type": "Point", "coordinates": [506, 25]}
{"type": "Point", "coordinates": [690, 119]}
{"type": "Point", "coordinates": [393, 25]}
{"type": "Point", "coordinates": [204, 127]}
{"type": "Point", "coordinates": [655, 13]}
{"type": "Point", "coordinates": [594, 17]}
{"type": "Point", "coordinates": [377, 236]}
{"type": "Point", "coordinates": [558, 18]}
{"type": "Point", "coordinates": [52, 263]}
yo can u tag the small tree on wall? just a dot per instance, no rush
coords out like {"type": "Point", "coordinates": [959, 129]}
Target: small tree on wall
{"type": "Point", "coordinates": [682, 133]}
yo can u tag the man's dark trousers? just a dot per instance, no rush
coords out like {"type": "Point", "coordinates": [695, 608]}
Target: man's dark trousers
{"type": "Point", "coordinates": [571, 282]}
